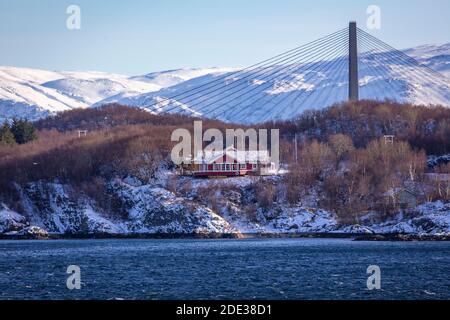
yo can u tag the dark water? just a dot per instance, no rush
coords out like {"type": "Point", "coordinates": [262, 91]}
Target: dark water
{"type": "Point", "coordinates": [223, 269]}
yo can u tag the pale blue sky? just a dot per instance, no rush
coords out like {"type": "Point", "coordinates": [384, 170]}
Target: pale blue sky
{"type": "Point", "coordinates": [137, 36]}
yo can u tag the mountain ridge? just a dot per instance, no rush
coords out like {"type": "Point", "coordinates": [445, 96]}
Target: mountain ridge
{"type": "Point", "coordinates": [35, 94]}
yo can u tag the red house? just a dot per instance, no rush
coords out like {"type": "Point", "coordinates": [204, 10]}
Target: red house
{"type": "Point", "coordinates": [229, 163]}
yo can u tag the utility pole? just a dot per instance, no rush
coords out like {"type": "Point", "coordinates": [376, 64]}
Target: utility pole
{"type": "Point", "coordinates": [295, 148]}
{"type": "Point", "coordinates": [353, 93]}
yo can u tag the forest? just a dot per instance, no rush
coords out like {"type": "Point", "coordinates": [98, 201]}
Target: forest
{"type": "Point", "coordinates": [343, 161]}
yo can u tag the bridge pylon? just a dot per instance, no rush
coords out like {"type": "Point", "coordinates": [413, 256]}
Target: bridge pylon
{"type": "Point", "coordinates": [353, 92]}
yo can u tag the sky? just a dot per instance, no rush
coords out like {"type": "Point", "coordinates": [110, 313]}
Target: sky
{"type": "Point", "coordinates": [135, 37]}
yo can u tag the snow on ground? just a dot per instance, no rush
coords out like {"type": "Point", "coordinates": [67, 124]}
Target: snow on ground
{"type": "Point", "coordinates": [303, 220]}
{"type": "Point", "coordinates": [430, 218]}
{"type": "Point", "coordinates": [240, 182]}
{"type": "Point", "coordinates": [141, 209]}
{"type": "Point", "coordinates": [10, 220]}
{"type": "Point", "coordinates": [434, 161]}
{"type": "Point", "coordinates": [150, 209]}
{"type": "Point", "coordinates": [50, 206]}
{"type": "Point", "coordinates": [156, 210]}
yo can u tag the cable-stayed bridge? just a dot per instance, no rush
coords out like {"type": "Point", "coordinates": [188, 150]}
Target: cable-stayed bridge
{"type": "Point", "coordinates": [349, 64]}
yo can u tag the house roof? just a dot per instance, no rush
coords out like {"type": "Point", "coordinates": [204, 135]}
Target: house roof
{"type": "Point", "coordinates": [208, 157]}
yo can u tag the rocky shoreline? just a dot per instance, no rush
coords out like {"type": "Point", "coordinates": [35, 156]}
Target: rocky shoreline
{"type": "Point", "coordinates": [402, 237]}
{"type": "Point", "coordinates": [101, 236]}
{"type": "Point", "coordinates": [211, 236]}
{"type": "Point", "coordinates": [50, 211]}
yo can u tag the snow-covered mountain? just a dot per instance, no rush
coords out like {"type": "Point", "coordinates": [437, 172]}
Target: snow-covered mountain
{"type": "Point", "coordinates": [170, 78]}
{"type": "Point", "coordinates": [34, 94]}
{"type": "Point", "coordinates": [436, 57]}
{"type": "Point", "coordinates": [251, 96]}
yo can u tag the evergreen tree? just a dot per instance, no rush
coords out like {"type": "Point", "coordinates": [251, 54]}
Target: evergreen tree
{"type": "Point", "coordinates": [23, 131]}
{"type": "Point", "coordinates": [6, 135]}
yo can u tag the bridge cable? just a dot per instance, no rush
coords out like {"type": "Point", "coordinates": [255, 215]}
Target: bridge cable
{"type": "Point", "coordinates": [267, 63]}
{"type": "Point", "coordinates": [265, 76]}
{"type": "Point", "coordinates": [326, 55]}
{"type": "Point", "coordinates": [307, 67]}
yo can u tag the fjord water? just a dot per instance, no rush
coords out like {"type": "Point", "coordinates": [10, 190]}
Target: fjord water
{"type": "Point", "coordinates": [224, 269]}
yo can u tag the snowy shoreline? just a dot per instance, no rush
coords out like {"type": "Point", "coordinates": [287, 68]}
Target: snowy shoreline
{"type": "Point", "coordinates": [150, 211]}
